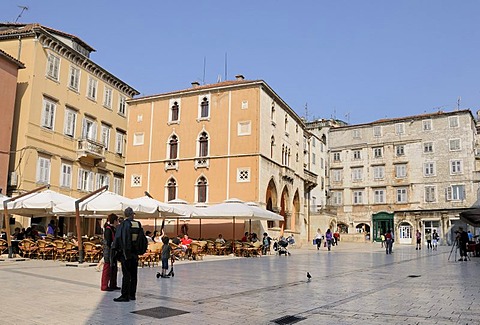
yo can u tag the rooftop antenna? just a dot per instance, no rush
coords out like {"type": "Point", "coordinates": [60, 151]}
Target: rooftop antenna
{"type": "Point", "coordinates": [24, 8]}
{"type": "Point", "coordinates": [459, 99]}
{"type": "Point", "coordinates": [226, 61]}
{"type": "Point", "coordinates": [204, 67]}
{"type": "Point", "coordinates": [306, 112]}
{"type": "Point", "coordinates": [347, 117]}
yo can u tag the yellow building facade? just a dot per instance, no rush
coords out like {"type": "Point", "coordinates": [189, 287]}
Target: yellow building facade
{"type": "Point", "coordinates": [209, 143]}
{"type": "Point", "coordinates": [70, 121]}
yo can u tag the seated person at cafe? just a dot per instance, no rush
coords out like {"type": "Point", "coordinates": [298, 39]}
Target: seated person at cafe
{"type": "Point", "coordinates": [51, 228]}
{"type": "Point", "coordinates": [220, 239]}
{"type": "Point", "coordinates": [148, 234]}
{"type": "Point", "coordinates": [254, 238]}
{"type": "Point", "coordinates": [245, 237]}
{"type": "Point", "coordinates": [185, 242]}
{"type": "Point", "coordinates": [17, 235]}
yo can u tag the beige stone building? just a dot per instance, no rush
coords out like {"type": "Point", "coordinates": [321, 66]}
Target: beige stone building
{"type": "Point", "coordinates": [209, 143]}
{"type": "Point", "coordinates": [408, 174]}
{"type": "Point", "coordinates": [8, 87]}
{"type": "Point", "coordinates": [70, 116]}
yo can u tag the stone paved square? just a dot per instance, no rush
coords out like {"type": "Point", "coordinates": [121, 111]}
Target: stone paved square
{"type": "Point", "coordinates": [352, 284]}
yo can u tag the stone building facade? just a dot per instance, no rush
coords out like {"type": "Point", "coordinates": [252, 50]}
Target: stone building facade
{"type": "Point", "coordinates": [405, 174]}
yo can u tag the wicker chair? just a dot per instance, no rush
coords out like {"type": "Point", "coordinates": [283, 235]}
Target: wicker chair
{"type": "Point", "coordinates": [71, 251]}
{"type": "Point", "coordinates": [28, 248]}
{"type": "Point", "coordinates": [45, 249]}
{"type": "Point", "coordinates": [91, 251]}
{"type": "Point", "coordinates": [60, 249]}
{"type": "Point", "coordinates": [196, 251]}
{"type": "Point", "coordinates": [3, 246]}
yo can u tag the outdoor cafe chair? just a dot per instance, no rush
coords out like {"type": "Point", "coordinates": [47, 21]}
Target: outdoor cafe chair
{"type": "Point", "coordinates": [196, 251]}
{"type": "Point", "coordinates": [3, 246]}
{"type": "Point", "coordinates": [60, 249]}
{"type": "Point", "coordinates": [28, 248]}
{"type": "Point", "coordinates": [45, 249]}
{"type": "Point", "coordinates": [92, 252]}
{"type": "Point", "coordinates": [220, 249]}
{"type": "Point", "coordinates": [211, 247]}
{"type": "Point", "coordinates": [71, 251]}
{"type": "Point", "coordinates": [177, 251]}
{"type": "Point", "coordinates": [239, 249]}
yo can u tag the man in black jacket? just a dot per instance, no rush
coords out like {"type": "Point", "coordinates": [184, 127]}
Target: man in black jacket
{"type": "Point", "coordinates": [126, 254]}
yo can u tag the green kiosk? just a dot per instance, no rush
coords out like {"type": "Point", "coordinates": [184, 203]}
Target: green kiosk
{"type": "Point", "coordinates": [382, 221]}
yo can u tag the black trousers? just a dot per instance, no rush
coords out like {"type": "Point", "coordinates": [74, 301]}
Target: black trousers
{"type": "Point", "coordinates": [130, 277]}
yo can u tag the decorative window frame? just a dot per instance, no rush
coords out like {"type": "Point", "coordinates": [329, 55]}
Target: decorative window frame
{"type": "Point", "coordinates": [243, 175]}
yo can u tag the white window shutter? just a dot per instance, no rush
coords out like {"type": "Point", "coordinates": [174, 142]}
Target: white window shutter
{"type": "Point", "coordinates": [79, 181]}
{"type": "Point", "coordinates": [90, 181]}
{"type": "Point", "coordinates": [448, 193]}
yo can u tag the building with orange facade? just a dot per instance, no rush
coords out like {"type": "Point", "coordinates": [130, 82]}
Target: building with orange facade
{"type": "Point", "coordinates": [70, 118]}
{"type": "Point", "coordinates": [209, 143]}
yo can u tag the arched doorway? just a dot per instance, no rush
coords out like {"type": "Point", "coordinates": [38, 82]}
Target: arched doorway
{"type": "Point", "coordinates": [296, 212]}
{"type": "Point", "coordinates": [272, 203]}
{"type": "Point", "coordinates": [405, 233]}
{"type": "Point", "coordinates": [362, 228]}
{"type": "Point", "coordinates": [342, 228]}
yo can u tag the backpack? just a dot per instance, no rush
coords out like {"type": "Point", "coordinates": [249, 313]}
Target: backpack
{"type": "Point", "coordinates": [139, 240]}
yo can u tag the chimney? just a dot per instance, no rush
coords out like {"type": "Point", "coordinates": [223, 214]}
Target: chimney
{"type": "Point", "coordinates": [195, 84]}
{"type": "Point", "coordinates": [239, 77]}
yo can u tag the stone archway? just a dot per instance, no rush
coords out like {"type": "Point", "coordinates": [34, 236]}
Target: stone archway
{"type": "Point", "coordinates": [284, 204]}
{"type": "Point", "coordinates": [295, 220]}
{"type": "Point", "coordinates": [272, 202]}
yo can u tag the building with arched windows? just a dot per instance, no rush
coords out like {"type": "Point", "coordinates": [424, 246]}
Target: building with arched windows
{"type": "Point", "coordinates": [233, 139]}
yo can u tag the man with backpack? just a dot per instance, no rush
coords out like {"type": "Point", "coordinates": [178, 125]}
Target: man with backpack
{"type": "Point", "coordinates": [130, 241]}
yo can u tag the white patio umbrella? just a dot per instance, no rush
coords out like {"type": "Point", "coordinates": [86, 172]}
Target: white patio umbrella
{"type": "Point", "coordinates": [165, 209]}
{"type": "Point", "coordinates": [235, 208]}
{"type": "Point", "coordinates": [105, 203]}
{"type": "Point", "coordinates": [38, 203]}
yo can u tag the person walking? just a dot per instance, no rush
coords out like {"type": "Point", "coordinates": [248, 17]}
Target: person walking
{"type": "Point", "coordinates": [318, 239]}
{"type": "Point", "coordinates": [329, 239]}
{"type": "Point", "coordinates": [389, 241]}
{"type": "Point", "coordinates": [462, 238]}
{"type": "Point", "coordinates": [382, 238]}
{"type": "Point", "coordinates": [435, 239]}
{"type": "Point", "coordinates": [126, 246]}
{"type": "Point", "coordinates": [110, 269]}
{"type": "Point", "coordinates": [418, 237]}
{"type": "Point", "coordinates": [428, 238]}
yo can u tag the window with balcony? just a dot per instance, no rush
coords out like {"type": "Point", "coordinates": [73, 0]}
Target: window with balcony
{"type": "Point", "coordinates": [89, 129]}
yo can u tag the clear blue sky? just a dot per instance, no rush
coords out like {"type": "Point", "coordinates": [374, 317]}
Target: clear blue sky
{"type": "Point", "coordinates": [365, 59]}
